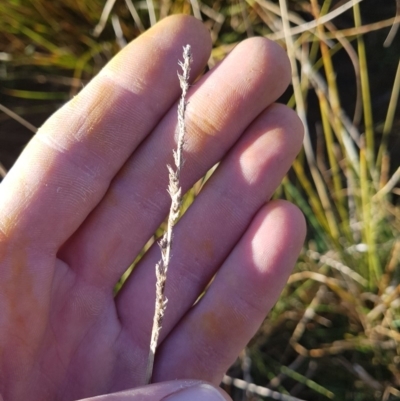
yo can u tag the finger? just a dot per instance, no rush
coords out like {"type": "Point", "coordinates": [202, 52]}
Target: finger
{"type": "Point", "coordinates": [67, 167]}
{"type": "Point", "coordinates": [214, 223]}
{"type": "Point", "coordinates": [221, 106]}
{"type": "Point", "coordinates": [178, 390]}
{"type": "Point", "coordinates": [209, 338]}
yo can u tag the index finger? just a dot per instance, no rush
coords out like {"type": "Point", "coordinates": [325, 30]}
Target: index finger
{"type": "Point", "coordinates": [67, 167]}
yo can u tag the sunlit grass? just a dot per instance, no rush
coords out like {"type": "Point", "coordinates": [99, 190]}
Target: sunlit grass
{"type": "Point", "coordinates": [334, 334]}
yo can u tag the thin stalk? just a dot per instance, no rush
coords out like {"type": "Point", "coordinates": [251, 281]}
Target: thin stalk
{"type": "Point", "coordinates": [366, 94]}
{"type": "Point", "coordinates": [175, 192]}
{"type": "Point", "coordinates": [313, 198]}
{"type": "Point", "coordinates": [390, 115]}
{"type": "Point", "coordinates": [301, 110]}
{"type": "Point", "coordinates": [334, 101]}
{"type": "Point", "coordinates": [374, 269]}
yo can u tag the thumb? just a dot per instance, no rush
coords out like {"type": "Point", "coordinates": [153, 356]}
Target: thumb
{"type": "Point", "coordinates": [179, 390]}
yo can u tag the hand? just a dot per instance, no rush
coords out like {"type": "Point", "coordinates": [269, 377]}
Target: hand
{"type": "Point", "coordinates": [90, 190]}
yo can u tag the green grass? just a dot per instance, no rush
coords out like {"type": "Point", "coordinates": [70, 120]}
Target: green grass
{"type": "Point", "coordinates": [334, 333]}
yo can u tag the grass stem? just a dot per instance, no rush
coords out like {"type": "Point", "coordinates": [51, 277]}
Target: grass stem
{"type": "Point", "coordinates": [175, 192]}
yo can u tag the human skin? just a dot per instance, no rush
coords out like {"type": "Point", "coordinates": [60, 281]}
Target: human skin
{"type": "Point", "coordinates": [88, 192]}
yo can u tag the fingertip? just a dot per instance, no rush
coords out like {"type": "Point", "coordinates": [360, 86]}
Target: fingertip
{"type": "Point", "coordinates": [293, 126]}
{"type": "Point", "coordinates": [161, 47]}
{"type": "Point", "coordinates": [272, 59]}
{"type": "Point", "coordinates": [291, 216]}
{"type": "Point", "coordinates": [202, 391]}
{"type": "Point", "coordinates": [280, 233]}
{"type": "Point", "coordinates": [190, 27]}
{"type": "Point", "coordinates": [270, 146]}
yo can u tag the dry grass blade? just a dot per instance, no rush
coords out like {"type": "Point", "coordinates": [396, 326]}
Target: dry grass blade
{"type": "Point", "coordinates": [354, 59]}
{"type": "Point", "coordinates": [152, 13]}
{"type": "Point", "coordinates": [358, 371]}
{"type": "Point", "coordinates": [339, 347]}
{"type": "Point", "coordinates": [134, 15]}
{"type": "Point", "coordinates": [309, 314]}
{"type": "Point", "coordinates": [18, 118]}
{"type": "Point", "coordinates": [275, 9]}
{"type": "Point", "coordinates": [394, 28]}
{"type": "Point", "coordinates": [375, 26]}
{"type": "Point", "coordinates": [338, 266]}
{"type": "Point", "coordinates": [389, 185]}
{"type": "Point", "coordinates": [313, 24]}
{"type": "Point", "coordinates": [245, 17]}
{"type": "Point", "coordinates": [3, 171]}
{"type": "Point", "coordinates": [5, 56]}
{"type": "Point", "coordinates": [259, 390]}
{"type": "Point", "coordinates": [196, 9]}
{"type": "Point", "coordinates": [119, 36]}
{"type": "Point", "coordinates": [103, 19]}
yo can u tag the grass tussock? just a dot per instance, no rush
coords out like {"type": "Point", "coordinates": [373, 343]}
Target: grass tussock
{"type": "Point", "coordinates": [334, 334]}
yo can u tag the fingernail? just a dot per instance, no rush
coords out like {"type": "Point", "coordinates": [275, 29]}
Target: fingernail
{"type": "Point", "coordinates": [200, 392]}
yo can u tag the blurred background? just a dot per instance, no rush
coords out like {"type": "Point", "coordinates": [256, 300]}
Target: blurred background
{"type": "Point", "coordinates": [334, 334]}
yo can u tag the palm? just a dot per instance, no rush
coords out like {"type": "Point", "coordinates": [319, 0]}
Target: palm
{"type": "Point", "coordinates": [90, 190]}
